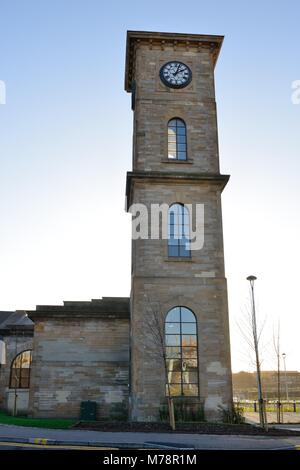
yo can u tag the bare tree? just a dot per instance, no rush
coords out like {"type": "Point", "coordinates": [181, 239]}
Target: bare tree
{"type": "Point", "coordinates": [252, 336]}
{"type": "Point", "coordinates": [244, 324]}
{"type": "Point", "coordinates": [154, 324]}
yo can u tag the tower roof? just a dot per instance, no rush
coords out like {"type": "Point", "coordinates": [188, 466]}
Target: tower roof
{"type": "Point", "coordinates": [137, 37]}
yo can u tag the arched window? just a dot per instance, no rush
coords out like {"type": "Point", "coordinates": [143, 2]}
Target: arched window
{"type": "Point", "coordinates": [177, 139]}
{"type": "Point", "coordinates": [178, 231]}
{"type": "Point", "coordinates": [181, 352]}
{"type": "Point", "coordinates": [20, 370]}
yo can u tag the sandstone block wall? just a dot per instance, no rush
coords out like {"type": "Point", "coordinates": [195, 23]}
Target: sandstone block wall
{"type": "Point", "coordinates": [77, 359]}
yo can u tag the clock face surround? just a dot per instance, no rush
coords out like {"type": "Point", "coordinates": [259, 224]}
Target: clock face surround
{"type": "Point", "coordinates": [175, 74]}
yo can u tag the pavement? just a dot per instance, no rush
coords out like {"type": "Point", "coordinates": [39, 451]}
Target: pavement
{"type": "Point", "coordinates": [70, 438]}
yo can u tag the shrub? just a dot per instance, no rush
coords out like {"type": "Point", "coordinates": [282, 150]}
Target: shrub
{"type": "Point", "coordinates": [184, 412]}
{"type": "Point", "coordinates": [232, 415]}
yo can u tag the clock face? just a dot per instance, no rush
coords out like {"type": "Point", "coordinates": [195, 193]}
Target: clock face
{"type": "Point", "coordinates": [175, 74]}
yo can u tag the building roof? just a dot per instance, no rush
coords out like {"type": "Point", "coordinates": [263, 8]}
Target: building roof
{"type": "Point", "coordinates": [176, 39]}
{"type": "Point", "coordinates": [15, 321]}
{"type": "Point", "coordinates": [107, 307]}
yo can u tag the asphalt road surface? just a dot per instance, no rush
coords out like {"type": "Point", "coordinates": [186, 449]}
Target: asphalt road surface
{"type": "Point", "coordinates": [23, 446]}
{"type": "Point", "coordinates": [91, 439]}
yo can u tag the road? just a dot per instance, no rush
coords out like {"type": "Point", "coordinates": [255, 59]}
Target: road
{"type": "Point", "coordinates": [130, 439]}
{"type": "Point", "coordinates": [23, 446]}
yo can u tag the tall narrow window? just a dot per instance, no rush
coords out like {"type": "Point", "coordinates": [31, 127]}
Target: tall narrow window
{"type": "Point", "coordinates": [177, 139]}
{"type": "Point", "coordinates": [20, 370]}
{"type": "Point", "coordinates": [181, 352]}
{"type": "Point", "coordinates": [178, 231]}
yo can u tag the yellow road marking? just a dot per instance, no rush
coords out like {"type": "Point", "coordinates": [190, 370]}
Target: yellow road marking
{"type": "Point", "coordinates": [45, 446]}
{"type": "Point", "coordinates": [39, 440]}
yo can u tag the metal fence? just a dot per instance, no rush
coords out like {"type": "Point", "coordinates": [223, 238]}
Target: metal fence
{"type": "Point", "coordinates": [270, 406]}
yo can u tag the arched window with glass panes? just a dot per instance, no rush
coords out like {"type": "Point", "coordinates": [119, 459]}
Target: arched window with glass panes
{"type": "Point", "coordinates": [177, 148]}
{"type": "Point", "coordinates": [181, 342]}
{"type": "Point", "coordinates": [20, 370]}
{"type": "Point", "coordinates": [178, 231]}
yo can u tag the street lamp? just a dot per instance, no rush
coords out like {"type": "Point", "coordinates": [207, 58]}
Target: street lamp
{"type": "Point", "coordinates": [285, 377]}
{"type": "Point", "coordinates": [251, 280]}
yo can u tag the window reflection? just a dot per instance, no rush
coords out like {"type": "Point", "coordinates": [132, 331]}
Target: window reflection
{"type": "Point", "coordinates": [178, 232]}
{"type": "Point", "coordinates": [177, 148]}
{"type": "Point", "coordinates": [181, 352]}
{"type": "Point", "coordinates": [20, 370]}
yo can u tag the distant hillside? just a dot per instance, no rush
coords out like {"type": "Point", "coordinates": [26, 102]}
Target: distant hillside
{"type": "Point", "coordinates": [245, 385]}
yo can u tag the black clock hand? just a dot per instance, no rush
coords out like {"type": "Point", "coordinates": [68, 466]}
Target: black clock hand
{"type": "Point", "coordinates": [177, 70]}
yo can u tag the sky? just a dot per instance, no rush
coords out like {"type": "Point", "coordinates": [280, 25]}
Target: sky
{"type": "Point", "coordinates": [65, 147]}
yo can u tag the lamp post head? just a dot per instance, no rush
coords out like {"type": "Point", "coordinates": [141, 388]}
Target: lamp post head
{"type": "Point", "coordinates": [251, 279]}
{"type": "Point", "coordinates": [283, 355]}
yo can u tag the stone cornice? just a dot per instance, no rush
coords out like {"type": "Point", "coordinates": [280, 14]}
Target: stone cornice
{"type": "Point", "coordinates": [159, 176]}
{"type": "Point", "coordinates": [134, 38]}
{"type": "Point", "coordinates": [73, 315]}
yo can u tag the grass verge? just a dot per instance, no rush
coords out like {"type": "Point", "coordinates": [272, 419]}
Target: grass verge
{"type": "Point", "coordinates": [49, 423]}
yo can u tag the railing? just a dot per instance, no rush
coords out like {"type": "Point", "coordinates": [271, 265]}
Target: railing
{"type": "Point", "coordinates": [270, 406]}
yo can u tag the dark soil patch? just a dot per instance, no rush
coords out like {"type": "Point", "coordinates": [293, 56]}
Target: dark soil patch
{"type": "Point", "coordinates": [193, 428]}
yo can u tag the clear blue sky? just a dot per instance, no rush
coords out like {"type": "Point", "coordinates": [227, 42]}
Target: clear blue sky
{"type": "Point", "coordinates": [65, 145]}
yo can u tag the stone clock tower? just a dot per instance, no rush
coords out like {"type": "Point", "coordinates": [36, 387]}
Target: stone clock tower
{"type": "Point", "coordinates": [176, 163]}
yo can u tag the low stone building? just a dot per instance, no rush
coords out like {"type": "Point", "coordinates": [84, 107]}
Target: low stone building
{"type": "Point", "coordinates": [81, 352]}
